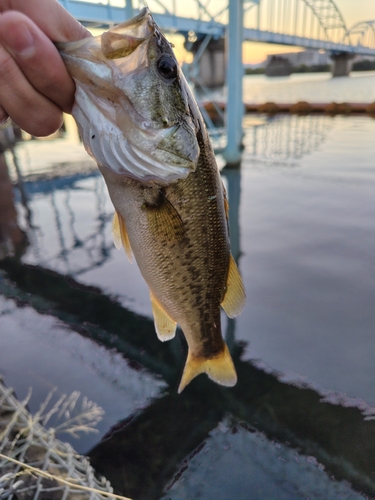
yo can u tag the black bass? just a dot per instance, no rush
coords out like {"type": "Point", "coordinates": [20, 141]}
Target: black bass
{"type": "Point", "coordinates": [138, 119]}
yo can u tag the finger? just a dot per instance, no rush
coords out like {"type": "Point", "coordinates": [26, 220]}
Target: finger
{"type": "Point", "coordinates": [50, 16]}
{"type": "Point", "coordinates": [37, 58]}
{"type": "Point", "coordinates": [29, 109]}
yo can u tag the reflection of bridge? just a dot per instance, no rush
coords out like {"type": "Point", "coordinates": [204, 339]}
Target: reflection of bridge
{"type": "Point", "coordinates": [79, 246]}
{"type": "Point", "coordinates": [144, 452]}
{"type": "Point", "coordinates": [312, 24]}
{"type": "Point", "coordinates": [284, 138]}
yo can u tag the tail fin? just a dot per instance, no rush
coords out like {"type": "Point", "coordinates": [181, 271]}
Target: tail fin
{"type": "Point", "coordinates": [219, 368]}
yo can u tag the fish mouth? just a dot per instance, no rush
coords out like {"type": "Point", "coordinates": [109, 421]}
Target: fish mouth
{"type": "Point", "coordinates": [124, 39]}
{"type": "Point", "coordinates": [120, 41]}
{"type": "Point", "coordinates": [136, 23]}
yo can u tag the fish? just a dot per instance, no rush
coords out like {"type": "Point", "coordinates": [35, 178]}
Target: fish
{"type": "Point", "coordinates": [140, 122]}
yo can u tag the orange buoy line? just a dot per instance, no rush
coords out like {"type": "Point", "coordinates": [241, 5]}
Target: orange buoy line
{"type": "Point", "coordinates": [302, 107]}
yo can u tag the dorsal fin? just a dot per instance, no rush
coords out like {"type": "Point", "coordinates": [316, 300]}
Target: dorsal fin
{"type": "Point", "coordinates": [219, 368]}
{"type": "Point", "coordinates": [235, 296]}
{"type": "Point", "coordinates": [120, 235]}
{"type": "Point", "coordinates": [165, 326]}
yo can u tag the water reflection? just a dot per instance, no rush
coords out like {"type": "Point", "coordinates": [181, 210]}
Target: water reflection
{"type": "Point", "coordinates": [59, 223]}
{"type": "Point", "coordinates": [281, 138]}
{"type": "Point", "coordinates": [157, 438]}
{"type": "Point", "coordinates": [12, 239]}
{"type": "Point", "coordinates": [177, 446]}
{"type": "Point", "coordinates": [277, 139]}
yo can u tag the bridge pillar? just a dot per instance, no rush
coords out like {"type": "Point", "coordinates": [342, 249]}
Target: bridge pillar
{"type": "Point", "coordinates": [211, 62]}
{"type": "Point", "coordinates": [129, 9]}
{"type": "Point", "coordinates": [235, 108]}
{"type": "Point", "coordinates": [342, 63]}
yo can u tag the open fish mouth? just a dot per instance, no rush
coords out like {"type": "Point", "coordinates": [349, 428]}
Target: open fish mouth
{"type": "Point", "coordinates": [134, 115]}
{"type": "Point", "coordinates": [119, 41]}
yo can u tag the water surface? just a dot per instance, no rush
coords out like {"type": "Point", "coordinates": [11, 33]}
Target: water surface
{"type": "Point", "coordinates": [75, 314]}
{"type": "Point", "coordinates": [311, 87]}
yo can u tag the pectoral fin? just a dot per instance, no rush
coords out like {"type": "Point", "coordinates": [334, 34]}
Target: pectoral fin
{"type": "Point", "coordinates": [220, 369]}
{"type": "Point", "coordinates": [235, 296]}
{"type": "Point", "coordinates": [165, 326]}
{"type": "Point", "coordinates": [120, 235]}
{"type": "Point", "coordinates": [164, 220]}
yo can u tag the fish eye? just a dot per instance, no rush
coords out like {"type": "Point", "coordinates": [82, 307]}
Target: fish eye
{"type": "Point", "coordinates": [167, 67]}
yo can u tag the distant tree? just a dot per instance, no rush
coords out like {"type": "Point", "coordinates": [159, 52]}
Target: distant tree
{"type": "Point", "coordinates": [303, 68]}
{"type": "Point", "coordinates": [254, 71]}
{"type": "Point", "coordinates": [315, 68]}
{"type": "Point", "coordinates": [364, 65]}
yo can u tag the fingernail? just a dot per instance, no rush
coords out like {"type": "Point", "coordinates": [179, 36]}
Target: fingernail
{"type": "Point", "coordinates": [22, 42]}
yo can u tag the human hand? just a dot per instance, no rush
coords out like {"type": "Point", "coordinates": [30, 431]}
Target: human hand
{"type": "Point", "coordinates": [35, 87]}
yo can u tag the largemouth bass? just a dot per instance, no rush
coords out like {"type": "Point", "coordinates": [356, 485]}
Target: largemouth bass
{"type": "Point", "coordinates": [140, 122]}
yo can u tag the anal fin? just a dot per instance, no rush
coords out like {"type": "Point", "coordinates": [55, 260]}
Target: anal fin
{"type": "Point", "coordinates": [164, 325]}
{"type": "Point", "coordinates": [235, 296]}
{"type": "Point", "coordinates": [219, 368]}
{"type": "Point", "coordinates": [120, 235]}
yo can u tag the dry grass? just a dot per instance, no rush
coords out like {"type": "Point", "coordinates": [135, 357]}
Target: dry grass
{"type": "Point", "coordinates": [33, 461]}
{"type": "Point", "coordinates": [37, 472]}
